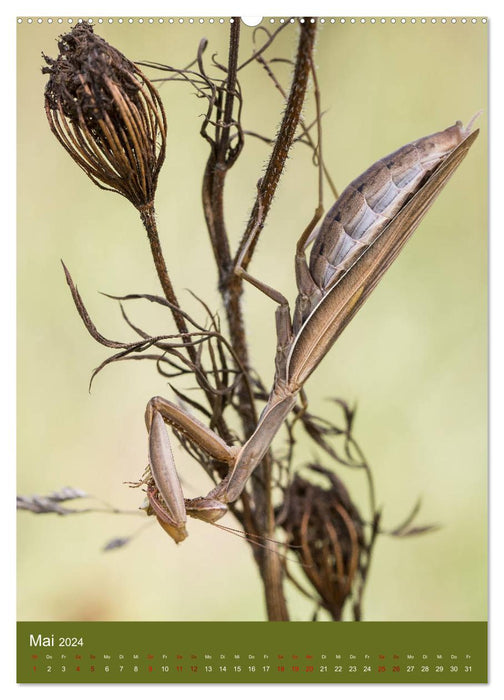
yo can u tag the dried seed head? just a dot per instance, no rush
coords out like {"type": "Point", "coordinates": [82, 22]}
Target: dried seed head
{"type": "Point", "coordinates": [325, 530]}
{"type": "Point", "coordinates": [106, 114]}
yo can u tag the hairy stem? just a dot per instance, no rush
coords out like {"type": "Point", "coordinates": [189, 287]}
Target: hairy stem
{"type": "Point", "coordinates": [284, 139]}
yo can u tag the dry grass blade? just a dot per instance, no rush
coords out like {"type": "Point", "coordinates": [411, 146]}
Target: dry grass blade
{"type": "Point", "coordinates": [85, 316]}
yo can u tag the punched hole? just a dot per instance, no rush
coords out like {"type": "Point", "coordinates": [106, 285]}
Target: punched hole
{"type": "Point", "coordinates": [251, 21]}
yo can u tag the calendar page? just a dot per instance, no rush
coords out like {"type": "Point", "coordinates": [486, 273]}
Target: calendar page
{"type": "Point", "coordinates": [252, 349]}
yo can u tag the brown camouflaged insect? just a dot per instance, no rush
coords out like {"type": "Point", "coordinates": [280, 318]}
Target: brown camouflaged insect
{"type": "Point", "coordinates": [359, 238]}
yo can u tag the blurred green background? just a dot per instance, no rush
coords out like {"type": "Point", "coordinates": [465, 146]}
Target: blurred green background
{"type": "Point", "coordinates": [413, 360]}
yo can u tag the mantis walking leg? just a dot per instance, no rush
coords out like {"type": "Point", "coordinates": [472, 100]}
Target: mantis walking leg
{"type": "Point", "coordinates": [304, 280]}
{"type": "Point", "coordinates": [282, 316]}
{"type": "Point", "coordinates": [283, 396]}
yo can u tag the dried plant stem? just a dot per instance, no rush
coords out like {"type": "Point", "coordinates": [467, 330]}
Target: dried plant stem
{"type": "Point", "coordinates": [284, 140]}
{"type": "Point", "coordinates": [148, 217]}
{"type": "Point", "coordinates": [272, 569]}
{"type": "Point", "coordinates": [306, 128]}
{"type": "Point", "coordinates": [269, 562]}
{"type": "Point", "coordinates": [219, 162]}
{"type": "Point", "coordinates": [231, 287]}
{"type": "Point", "coordinates": [234, 42]}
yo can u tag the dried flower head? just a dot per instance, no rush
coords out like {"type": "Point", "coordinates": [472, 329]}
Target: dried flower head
{"type": "Point", "coordinates": [106, 114]}
{"type": "Point", "coordinates": [325, 531]}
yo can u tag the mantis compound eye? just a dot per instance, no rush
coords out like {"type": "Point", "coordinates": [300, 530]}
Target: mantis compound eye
{"type": "Point", "coordinates": [207, 509]}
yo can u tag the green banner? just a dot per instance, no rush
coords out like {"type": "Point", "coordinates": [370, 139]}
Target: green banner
{"type": "Point", "coordinates": [252, 652]}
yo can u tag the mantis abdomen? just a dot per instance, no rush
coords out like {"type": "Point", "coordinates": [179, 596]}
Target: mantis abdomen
{"type": "Point", "coordinates": [369, 203]}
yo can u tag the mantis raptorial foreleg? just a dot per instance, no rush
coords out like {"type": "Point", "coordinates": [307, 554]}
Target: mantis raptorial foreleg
{"type": "Point", "coordinates": [194, 429]}
{"type": "Point", "coordinates": [172, 510]}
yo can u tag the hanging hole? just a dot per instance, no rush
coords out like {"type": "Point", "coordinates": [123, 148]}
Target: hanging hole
{"type": "Point", "coordinates": [251, 21]}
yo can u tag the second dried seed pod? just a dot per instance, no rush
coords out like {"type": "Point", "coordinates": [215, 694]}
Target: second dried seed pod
{"type": "Point", "coordinates": [326, 532]}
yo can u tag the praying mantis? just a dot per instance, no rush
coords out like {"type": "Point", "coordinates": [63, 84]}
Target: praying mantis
{"type": "Point", "coordinates": [359, 238]}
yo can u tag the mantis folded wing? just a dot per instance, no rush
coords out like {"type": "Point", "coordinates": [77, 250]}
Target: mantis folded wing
{"type": "Point", "coordinates": [358, 240]}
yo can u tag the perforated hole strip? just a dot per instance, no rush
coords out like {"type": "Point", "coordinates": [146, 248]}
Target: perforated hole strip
{"type": "Point", "coordinates": [265, 20]}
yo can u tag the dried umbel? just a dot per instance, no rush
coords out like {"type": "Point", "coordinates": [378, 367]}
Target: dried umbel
{"type": "Point", "coordinates": [107, 115]}
{"type": "Point", "coordinates": [325, 531]}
